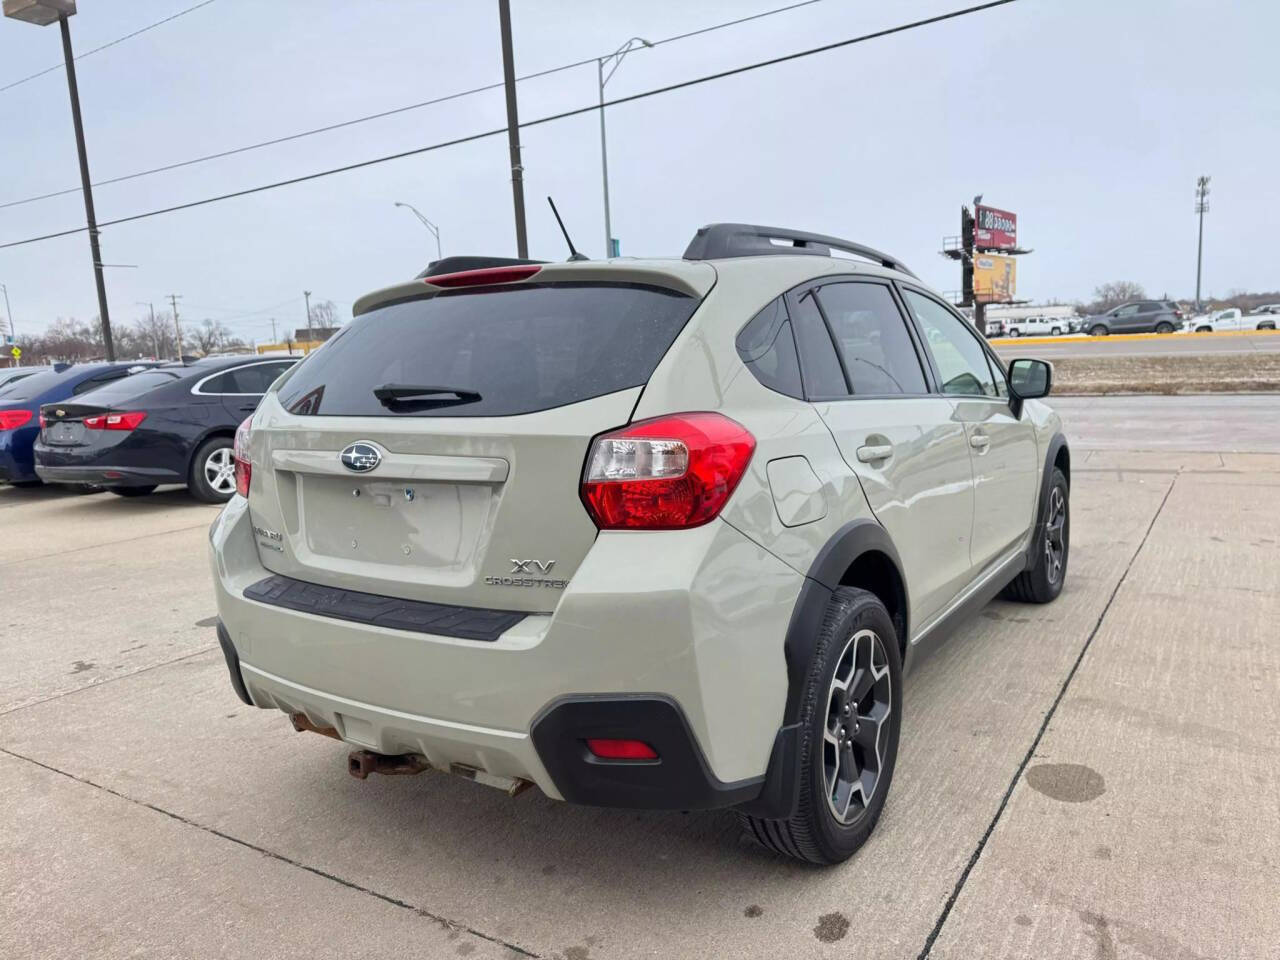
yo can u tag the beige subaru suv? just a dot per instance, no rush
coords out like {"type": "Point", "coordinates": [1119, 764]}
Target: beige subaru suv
{"type": "Point", "coordinates": [643, 533]}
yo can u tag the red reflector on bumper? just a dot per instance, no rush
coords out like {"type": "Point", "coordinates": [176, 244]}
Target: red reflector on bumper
{"type": "Point", "coordinates": [622, 750]}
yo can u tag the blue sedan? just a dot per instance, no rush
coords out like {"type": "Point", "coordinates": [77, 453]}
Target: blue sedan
{"type": "Point", "coordinates": [20, 410]}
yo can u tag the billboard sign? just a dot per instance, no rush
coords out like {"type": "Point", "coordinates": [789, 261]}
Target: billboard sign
{"type": "Point", "coordinates": [994, 229]}
{"type": "Point", "coordinates": [994, 278]}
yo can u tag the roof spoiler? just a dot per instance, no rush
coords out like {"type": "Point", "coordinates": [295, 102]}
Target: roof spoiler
{"type": "Point", "coordinates": [461, 264]}
{"type": "Point", "coordinates": [723, 241]}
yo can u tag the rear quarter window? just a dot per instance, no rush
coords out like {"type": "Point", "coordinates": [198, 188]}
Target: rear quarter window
{"type": "Point", "coordinates": [522, 349]}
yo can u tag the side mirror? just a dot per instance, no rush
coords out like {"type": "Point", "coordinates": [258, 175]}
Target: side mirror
{"type": "Point", "coordinates": [1029, 380]}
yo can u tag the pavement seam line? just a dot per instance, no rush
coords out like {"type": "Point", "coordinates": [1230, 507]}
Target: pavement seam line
{"type": "Point", "coordinates": [102, 683]}
{"type": "Point", "coordinates": [94, 546]}
{"type": "Point", "coordinates": [351, 885]}
{"type": "Point", "coordinates": [1044, 726]}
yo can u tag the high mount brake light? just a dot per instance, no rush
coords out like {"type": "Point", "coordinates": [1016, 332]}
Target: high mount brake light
{"type": "Point", "coordinates": [114, 421]}
{"type": "Point", "coordinates": [240, 454]}
{"type": "Point", "coordinates": [483, 277]}
{"type": "Point", "coordinates": [13, 419]}
{"type": "Point", "coordinates": [669, 473]}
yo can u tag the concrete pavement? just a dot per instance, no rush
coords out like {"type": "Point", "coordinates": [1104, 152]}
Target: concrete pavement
{"type": "Point", "coordinates": [1098, 776]}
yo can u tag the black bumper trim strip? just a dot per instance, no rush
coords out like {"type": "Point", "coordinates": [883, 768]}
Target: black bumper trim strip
{"type": "Point", "coordinates": [418, 616]}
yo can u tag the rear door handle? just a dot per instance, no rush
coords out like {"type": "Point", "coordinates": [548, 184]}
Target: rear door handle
{"type": "Point", "coordinates": [979, 442]}
{"type": "Point", "coordinates": [875, 451]}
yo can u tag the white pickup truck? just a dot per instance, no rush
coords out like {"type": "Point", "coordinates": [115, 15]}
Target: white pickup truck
{"type": "Point", "coordinates": [1233, 318]}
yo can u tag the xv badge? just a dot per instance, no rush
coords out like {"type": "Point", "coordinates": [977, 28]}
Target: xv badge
{"type": "Point", "coordinates": [525, 566]}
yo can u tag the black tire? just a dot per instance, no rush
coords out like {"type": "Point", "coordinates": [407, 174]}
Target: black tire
{"type": "Point", "coordinates": [131, 491]}
{"type": "Point", "coordinates": [1204, 329]}
{"type": "Point", "coordinates": [1164, 327]}
{"type": "Point", "coordinates": [1055, 332]}
{"type": "Point", "coordinates": [1015, 332]}
{"type": "Point", "coordinates": [1098, 330]}
{"type": "Point", "coordinates": [198, 480]}
{"type": "Point", "coordinates": [856, 622]}
{"type": "Point", "coordinates": [1267, 325]}
{"type": "Point", "coordinates": [1043, 581]}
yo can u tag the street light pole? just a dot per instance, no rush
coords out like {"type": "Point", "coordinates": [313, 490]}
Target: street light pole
{"type": "Point", "coordinates": [513, 128]}
{"type": "Point", "coordinates": [427, 223]}
{"type": "Point", "coordinates": [1202, 206]}
{"type": "Point", "coordinates": [602, 78]}
{"type": "Point", "coordinates": [42, 13]}
{"type": "Point", "coordinates": [87, 189]}
{"type": "Point", "coordinates": [307, 296]}
{"type": "Point", "coordinates": [8, 312]}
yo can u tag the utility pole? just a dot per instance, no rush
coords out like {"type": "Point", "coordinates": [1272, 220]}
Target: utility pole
{"type": "Point", "coordinates": [273, 330]}
{"type": "Point", "coordinates": [307, 295]}
{"type": "Point", "coordinates": [177, 327]}
{"type": "Point", "coordinates": [513, 128]}
{"type": "Point", "coordinates": [155, 336]}
{"type": "Point", "coordinates": [1202, 207]}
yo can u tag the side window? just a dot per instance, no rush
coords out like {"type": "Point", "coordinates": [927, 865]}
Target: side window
{"type": "Point", "coordinates": [822, 374]}
{"type": "Point", "coordinates": [222, 383]}
{"type": "Point", "coordinates": [998, 376]}
{"type": "Point", "coordinates": [1128, 311]}
{"type": "Point", "coordinates": [257, 377]}
{"type": "Point", "coordinates": [768, 348]}
{"type": "Point", "coordinates": [872, 338]}
{"type": "Point", "coordinates": [961, 361]}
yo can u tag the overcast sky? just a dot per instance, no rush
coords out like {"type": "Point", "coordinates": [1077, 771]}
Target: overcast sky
{"type": "Point", "coordinates": [1088, 118]}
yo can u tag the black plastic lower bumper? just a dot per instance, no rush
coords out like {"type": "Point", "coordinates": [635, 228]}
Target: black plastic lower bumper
{"type": "Point", "coordinates": [679, 779]}
{"type": "Point", "coordinates": [109, 476]}
{"type": "Point", "coordinates": [233, 664]}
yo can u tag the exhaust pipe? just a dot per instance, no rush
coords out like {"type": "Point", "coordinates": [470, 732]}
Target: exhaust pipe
{"type": "Point", "coordinates": [361, 763]}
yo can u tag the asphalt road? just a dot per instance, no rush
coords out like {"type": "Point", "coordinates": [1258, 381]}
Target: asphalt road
{"type": "Point", "coordinates": [1232, 423]}
{"type": "Point", "coordinates": [1095, 777]}
{"type": "Point", "coordinates": [1171, 345]}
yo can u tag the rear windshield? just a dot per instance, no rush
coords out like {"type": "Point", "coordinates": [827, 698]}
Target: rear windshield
{"type": "Point", "coordinates": [35, 385]}
{"type": "Point", "coordinates": [126, 388]}
{"type": "Point", "coordinates": [521, 349]}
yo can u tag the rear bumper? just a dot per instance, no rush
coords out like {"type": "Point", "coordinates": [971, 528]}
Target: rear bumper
{"type": "Point", "coordinates": [685, 653]}
{"type": "Point", "coordinates": [109, 476]}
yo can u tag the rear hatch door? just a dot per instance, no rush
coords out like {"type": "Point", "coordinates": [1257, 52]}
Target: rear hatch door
{"type": "Point", "coordinates": [433, 449]}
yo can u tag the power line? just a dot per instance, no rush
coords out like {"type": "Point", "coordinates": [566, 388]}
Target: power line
{"type": "Point", "coordinates": [112, 43]}
{"type": "Point", "coordinates": [719, 75]}
{"type": "Point", "coordinates": [328, 128]}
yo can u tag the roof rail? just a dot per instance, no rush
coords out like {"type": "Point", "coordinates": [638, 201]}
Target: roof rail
{"type": "Point", "coordinates": [722, 241]}
{"type": "Point", "coordinates": [458, 264]}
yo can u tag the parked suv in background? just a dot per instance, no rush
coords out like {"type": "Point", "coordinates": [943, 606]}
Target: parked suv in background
{"type": "Point", "coordinates": [646, 533]}
{"type": "Point", "coordinates": [173, 424]}
{"type": "Point", "coordinates": [1140, 316]}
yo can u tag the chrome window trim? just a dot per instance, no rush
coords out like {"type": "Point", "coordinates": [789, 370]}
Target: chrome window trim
{"type": "Point", "coordinates": [197, 392]}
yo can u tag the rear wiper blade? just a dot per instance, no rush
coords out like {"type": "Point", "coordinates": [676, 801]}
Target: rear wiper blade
{"type": "Point", "coordinates": [390, 393]}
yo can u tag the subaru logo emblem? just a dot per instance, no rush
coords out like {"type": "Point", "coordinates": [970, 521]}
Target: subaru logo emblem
{"type": "Point", "coordinates": [360, 456]}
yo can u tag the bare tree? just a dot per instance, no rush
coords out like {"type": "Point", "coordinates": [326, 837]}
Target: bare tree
{"type": "Point", "coordinates": [324, 313]}
{"type": "Point", "coordinates": [1113, 294]}
{"type": "Point", "coordinates": [210, 335]}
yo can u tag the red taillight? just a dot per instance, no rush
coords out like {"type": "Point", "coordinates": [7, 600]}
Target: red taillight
{"type": "Point", "coordinates": [622, 750]}
{"type": "Point", "coordinates": [240, 452]}
{"type": "Point", "coordinates": [13, 419]}
{"type": "Point", "coordinates": [114, 421]}
{"type": "Point", "coordinates": [43, 423]}
{"type": "Point", "coordinates": [669, 473]}
{"type": "Point", "coordinates": [479, 278]}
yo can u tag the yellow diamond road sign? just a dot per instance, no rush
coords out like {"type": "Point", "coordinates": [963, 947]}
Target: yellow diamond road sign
{"type": "Point", "coordinates": [17, 352]}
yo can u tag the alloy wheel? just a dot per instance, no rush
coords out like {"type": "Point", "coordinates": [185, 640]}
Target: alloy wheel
{"type": "Point", "coordinates": [1055, 540]}
{"type": "Point", "coordinates": [220, 471]}
{"type": "Point", "coordinates": [859, 702]}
